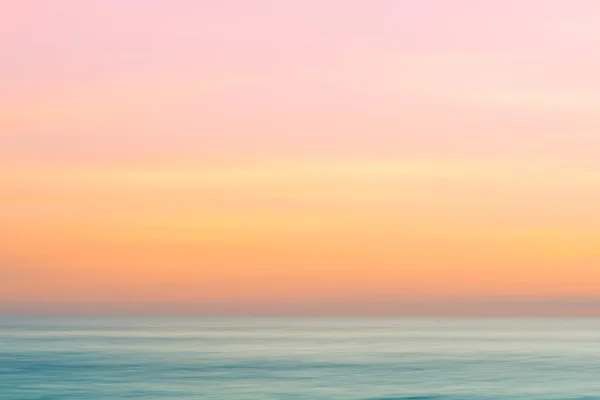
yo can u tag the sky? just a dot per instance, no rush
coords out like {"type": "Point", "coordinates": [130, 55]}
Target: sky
{"type": "Point", "coordinates": [315, 157]}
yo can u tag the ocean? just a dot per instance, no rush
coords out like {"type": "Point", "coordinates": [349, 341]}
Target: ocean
{"type": "Point", "coordinates": [298, 358]}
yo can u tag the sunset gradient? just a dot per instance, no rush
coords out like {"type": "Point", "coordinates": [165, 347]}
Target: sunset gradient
{"type": "Point", "coordinates": [300, 157]}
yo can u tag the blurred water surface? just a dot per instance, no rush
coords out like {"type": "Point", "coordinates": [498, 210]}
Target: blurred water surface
{"type": "Point", "coordinates": [299, 358]}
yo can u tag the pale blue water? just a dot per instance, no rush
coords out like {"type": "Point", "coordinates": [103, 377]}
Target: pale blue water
{"type": "Point", "coordinates": [298, 359]}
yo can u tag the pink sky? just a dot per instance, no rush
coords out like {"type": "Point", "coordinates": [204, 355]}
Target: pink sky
{"type": "Point", "coordinates": [475, 121]}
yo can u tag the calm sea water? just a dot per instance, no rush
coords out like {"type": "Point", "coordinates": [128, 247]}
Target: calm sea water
{"type": "Point", "coordinates": [299, 359]}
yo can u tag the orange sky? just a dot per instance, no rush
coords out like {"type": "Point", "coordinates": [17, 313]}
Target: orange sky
{"type": "Point", "coordinates": [336, 157]}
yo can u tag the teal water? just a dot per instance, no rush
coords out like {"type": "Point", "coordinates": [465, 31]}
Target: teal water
{"type": "Point", "coordinates": [299, 359]}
